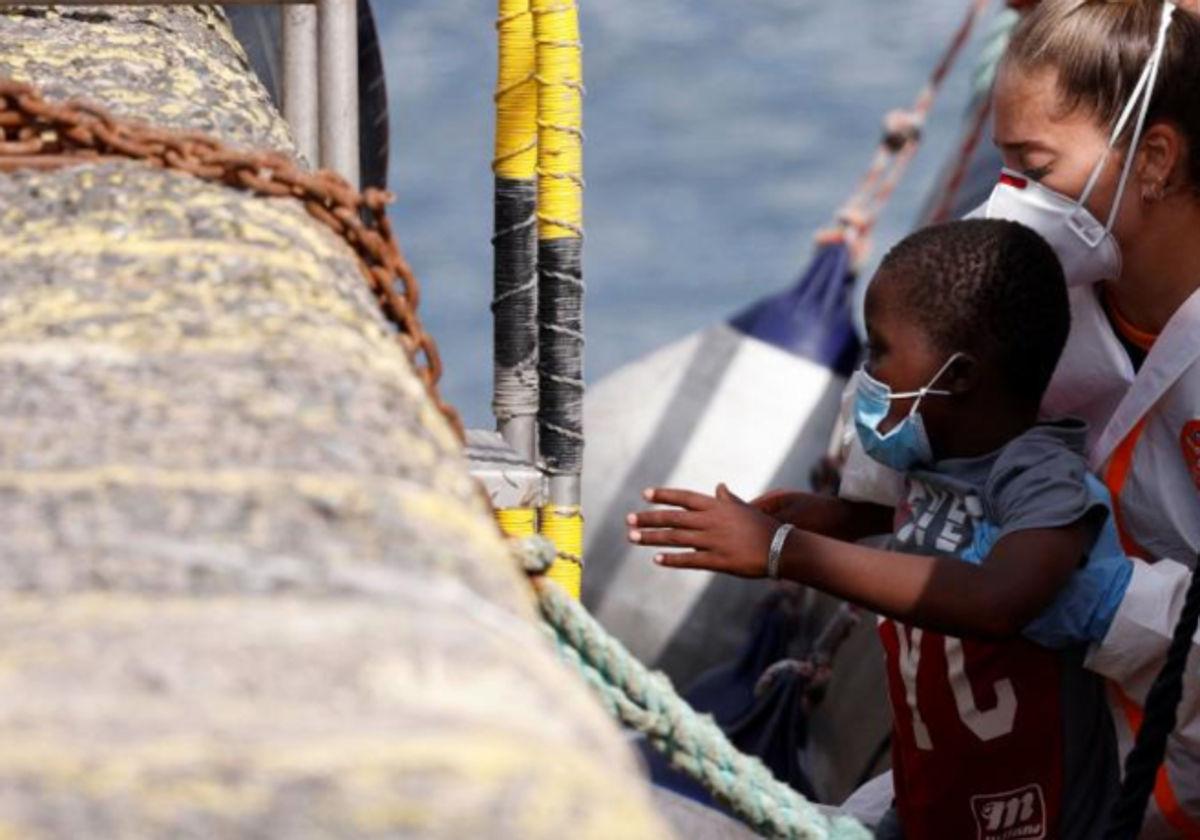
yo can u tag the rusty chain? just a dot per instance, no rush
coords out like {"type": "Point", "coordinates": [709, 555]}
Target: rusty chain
{"type": "Point", "coordinates": [37, 133]}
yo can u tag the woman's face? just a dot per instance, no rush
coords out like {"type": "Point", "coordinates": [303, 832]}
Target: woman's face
{"type": "Point", "coordinates": [1039, 138]}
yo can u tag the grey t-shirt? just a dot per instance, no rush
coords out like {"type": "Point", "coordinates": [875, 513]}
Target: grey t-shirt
{"type": "Point", "coordinates": [963, 506]}
{"type": "Point", "coordinates": [998, 739]}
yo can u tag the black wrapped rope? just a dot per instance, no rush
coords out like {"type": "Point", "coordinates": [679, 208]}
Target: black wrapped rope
{"type": "Point", "coordinates": [1162, 703]}
{"type": "Point", "coordinates": [560, 330]}
{"type": "Point", "coordinates": [515, 305]}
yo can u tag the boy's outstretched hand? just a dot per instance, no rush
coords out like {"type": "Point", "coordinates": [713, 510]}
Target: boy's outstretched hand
{"type": "Point", "coordinates": [726, 534]}
{"type": "Point", "coordinates": [784, 505]}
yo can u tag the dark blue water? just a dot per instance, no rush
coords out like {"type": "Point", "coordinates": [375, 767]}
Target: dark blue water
{"type": "Point", "coordinates": [720, 136]}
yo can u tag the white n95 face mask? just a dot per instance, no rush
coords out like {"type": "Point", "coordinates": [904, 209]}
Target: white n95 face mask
{"type": "Point", "coordinates": [1088, 251]}
{"type": "Point", "coordinates": [1086, 248]}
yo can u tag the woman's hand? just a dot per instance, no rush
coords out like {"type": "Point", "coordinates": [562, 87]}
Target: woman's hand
{"type": "Point", "coordinates": [725, 533]}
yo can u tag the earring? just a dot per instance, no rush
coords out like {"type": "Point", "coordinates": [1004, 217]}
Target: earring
{"type": "Point", "coordinates": [1153, 192]}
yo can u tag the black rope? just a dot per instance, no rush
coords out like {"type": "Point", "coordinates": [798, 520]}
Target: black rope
{"type": "Point", "coordinates": [560, 337]}
{"type": "Point", "coordinates": [1162, 703]}
{"type": "Point", "coordinates": [515, 303]}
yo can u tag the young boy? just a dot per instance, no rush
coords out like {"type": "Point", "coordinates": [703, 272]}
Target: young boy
{"type": "Point", "coordinates": [994, 737]}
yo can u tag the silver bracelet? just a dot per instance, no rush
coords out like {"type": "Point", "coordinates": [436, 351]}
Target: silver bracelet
{"type": "Point", "coordinates": [781, 535]}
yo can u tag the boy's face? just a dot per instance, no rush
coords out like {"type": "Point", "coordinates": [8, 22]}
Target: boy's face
{"type": "Point", "coordinates": [901, 356]}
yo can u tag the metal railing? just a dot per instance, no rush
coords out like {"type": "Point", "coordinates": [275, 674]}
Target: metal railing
{"type": "Point", "coordinates": [320, 73]}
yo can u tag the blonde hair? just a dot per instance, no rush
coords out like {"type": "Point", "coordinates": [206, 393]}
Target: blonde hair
{"type": "Point", "coordinates": [1098, 49]}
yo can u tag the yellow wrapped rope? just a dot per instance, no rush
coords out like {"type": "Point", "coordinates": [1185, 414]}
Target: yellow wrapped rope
{"type": "Point", "coordinates": [560, 242]}
{"type": "Point", "coordinates": [516, 94]}
{"type": "Point", "coordinates": [517, 522]}
{"type": "Point", "coordinates": [563, 526]}
{"type": "Point", "coordinates": [560, 118]}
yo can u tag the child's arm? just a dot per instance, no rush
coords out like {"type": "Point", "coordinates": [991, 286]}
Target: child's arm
{"type": "Point", "coordinates": [828, 515]}
{"type": "Point", "coordinates": [1019, 577]}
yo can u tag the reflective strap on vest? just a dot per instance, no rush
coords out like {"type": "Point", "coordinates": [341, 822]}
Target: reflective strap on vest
{"type": "Point", "coordinates": [1164, 793]}
{"type": "Point", "coordinates": [1115, 477]}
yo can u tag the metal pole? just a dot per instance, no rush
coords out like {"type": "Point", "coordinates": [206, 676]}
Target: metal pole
{"type": "Point", "coordinates": [559, 76]}
{"type": "Point", "coordinates": [515, 336]}
{"type": "Point", "coordinates": [521, 434]}
{"type": "Point", "coordinates": [566, 490]}
{"type": "Point", "coordinates": [301, 101]}
{"type": "Point", "coordinates": [339, 87]}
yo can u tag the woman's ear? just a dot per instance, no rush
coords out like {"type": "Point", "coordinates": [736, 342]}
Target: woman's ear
{"type": "Point", "coordinates": [1157, 167]}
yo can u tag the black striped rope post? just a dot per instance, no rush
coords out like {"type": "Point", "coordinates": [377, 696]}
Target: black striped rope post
{"type": "Point", "coordinates": [515, 301]}
{"type": "Point", "coordinates": [560, 278]}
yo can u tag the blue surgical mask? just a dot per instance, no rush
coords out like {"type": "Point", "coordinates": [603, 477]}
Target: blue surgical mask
{"type": "Point", "coordinates": [907, 444]}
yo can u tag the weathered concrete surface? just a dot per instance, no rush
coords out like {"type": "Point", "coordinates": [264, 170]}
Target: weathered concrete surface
{"type": "Point", "coordinates": [247, 588]}
{"type": "Point", "coordinates": [178, 67]}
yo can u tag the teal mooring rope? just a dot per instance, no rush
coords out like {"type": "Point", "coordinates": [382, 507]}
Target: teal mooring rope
{"type": "Point", "coordinates": [646, 701]}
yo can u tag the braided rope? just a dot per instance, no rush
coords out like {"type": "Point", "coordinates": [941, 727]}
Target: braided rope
{"type": "Point", "coordinates": [1162, 704]}
{"type": "Point", "coordinates": [901, 138]}
{"type": "Point", "coordinates": [693, 743]}
{"type": "Point", "coordinates": [984, 74]}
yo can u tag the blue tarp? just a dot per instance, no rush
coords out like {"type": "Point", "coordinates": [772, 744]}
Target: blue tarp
{"type": "Point", "coordinates": [813, 318]}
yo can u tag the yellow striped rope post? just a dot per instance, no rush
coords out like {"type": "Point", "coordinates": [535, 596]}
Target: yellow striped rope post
{"type": "Point", "coordinates": [563, 526]}
{"type": "Point", "coordinates": [514, 302]}
{"type": "Point", "coordinates": [518, 522]}
{"type": "Point", "coordinates": [560, 275]}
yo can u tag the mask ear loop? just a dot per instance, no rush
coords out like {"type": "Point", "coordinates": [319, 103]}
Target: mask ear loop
{"type": "Point", "coordinates": [1155, 61]}
{"type": "Point", "coordinates": [928, 390]}
{"type": "Point", "coordinates": [1145, 85]}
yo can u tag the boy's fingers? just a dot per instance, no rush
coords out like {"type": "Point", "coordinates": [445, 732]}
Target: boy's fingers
{"type": "Point", "coordinates": [664, 519]}
{"type": "Point", "coordinates": [679, 498]}
{"type": "Point", "coordinates": [689, 560]}
{"type": "Point", "coordinates": [669, 537]}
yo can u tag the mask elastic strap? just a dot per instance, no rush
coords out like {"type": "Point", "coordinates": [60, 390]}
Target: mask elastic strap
{"type": "Point", "coordinates": [1145, 85]}
{"type": "Point", "coordinates": [929, 390]}
{"type": "Point", "coordinates": [1122, 121]}
{"type": "Point", "coordinates": [1155, 62]}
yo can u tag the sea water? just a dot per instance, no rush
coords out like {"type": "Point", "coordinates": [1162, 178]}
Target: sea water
{"type": "Point", "coordinates": [720, 136]}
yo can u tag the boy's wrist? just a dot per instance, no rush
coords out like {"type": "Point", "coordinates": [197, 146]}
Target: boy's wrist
{"type": "Point", "coordinates": [775, 553]}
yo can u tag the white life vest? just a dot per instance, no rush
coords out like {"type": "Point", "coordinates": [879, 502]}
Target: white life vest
{"type": "Point", "coordinates": [1147, 449]}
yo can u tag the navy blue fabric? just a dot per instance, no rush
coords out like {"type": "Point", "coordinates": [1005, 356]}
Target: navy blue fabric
{"type": "Point", "coordinates": [727, 691]}
{"type": "Point", "coordinates": [813, 318]}
{"type": "Point", "coordinates": [773, 727]}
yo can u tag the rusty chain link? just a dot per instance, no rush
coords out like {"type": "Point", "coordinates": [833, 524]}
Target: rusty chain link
{"type": "Point", "coordinates": [37, 133]}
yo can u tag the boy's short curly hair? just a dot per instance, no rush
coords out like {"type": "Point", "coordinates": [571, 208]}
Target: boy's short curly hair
{"type": "Point", "coordinates": [989, 287]}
